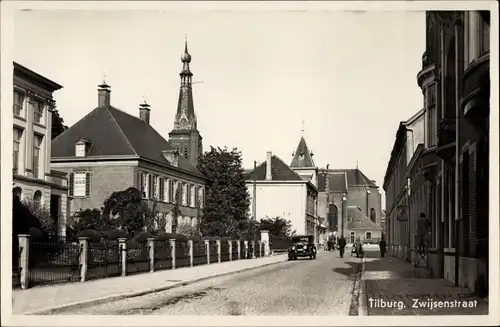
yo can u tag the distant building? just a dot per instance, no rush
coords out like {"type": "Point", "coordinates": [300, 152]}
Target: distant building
{"type": "Point", "coordinates": [282, 192]}
{"type": "Point", "coordinates": [351, 203]}
{"type": "Point", "coordinates": [33, 178]}
{"type": "Point", "coordinates": [110, 150]}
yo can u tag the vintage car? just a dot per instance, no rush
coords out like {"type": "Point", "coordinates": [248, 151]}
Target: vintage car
{"type": "Point", "coordinates": [302, 246]}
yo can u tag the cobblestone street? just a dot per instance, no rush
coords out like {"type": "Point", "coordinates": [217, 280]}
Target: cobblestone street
{"type": "Point", "coordinates": [394, 287]}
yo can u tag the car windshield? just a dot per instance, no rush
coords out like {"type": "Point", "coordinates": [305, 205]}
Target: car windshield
{"type": "Point", "coordinates": [301, 239]}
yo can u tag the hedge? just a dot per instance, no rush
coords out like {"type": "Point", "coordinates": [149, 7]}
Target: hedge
{"type": "Point", "coordinates": [116, 234]}
{"type": "Point", "coordinates": [143, 237]}
{"type": "Point", "coordinates": [93, 235]}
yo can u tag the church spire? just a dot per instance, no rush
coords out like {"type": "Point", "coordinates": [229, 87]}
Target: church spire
{"type": "Point", "coordinates": [185, 119]}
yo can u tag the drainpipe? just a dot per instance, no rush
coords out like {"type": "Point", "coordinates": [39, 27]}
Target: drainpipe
{"type": "Point", "coordinates": [441, 219]}
{"type": "Point", "coordinates": [457, 149]}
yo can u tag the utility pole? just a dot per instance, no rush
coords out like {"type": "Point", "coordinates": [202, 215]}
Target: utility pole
{"type": "Point", "coordinates": [254, 202]}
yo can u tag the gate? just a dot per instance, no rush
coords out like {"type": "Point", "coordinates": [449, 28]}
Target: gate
{"type": "Point", "coordinates": [53, 262]}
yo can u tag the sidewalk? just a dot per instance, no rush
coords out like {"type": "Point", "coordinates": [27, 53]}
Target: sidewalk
{"type": "Point", "coordinates": [391, 286]}
{"type": "Point", "coordinates": [50, 299]}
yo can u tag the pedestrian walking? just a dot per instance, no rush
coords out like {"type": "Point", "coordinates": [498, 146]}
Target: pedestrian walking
{"type": "Point", "coordinates": [342, 244]}
{"type": "Point", "coordinates": [383, 247]}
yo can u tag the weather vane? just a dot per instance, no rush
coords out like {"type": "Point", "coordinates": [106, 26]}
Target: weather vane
{"type": "Point", "coordinates": [144, 98]}
{"type": "Point", "coordinates": [303, 127]}
{"type": "Point", "coordinates": [104, 79]}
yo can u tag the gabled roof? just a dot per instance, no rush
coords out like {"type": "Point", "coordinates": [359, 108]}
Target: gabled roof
{"type": "Point", "coordinates": [115, 132]}
{"type": "Point", "coordinates": [302, 157]}
{"type": "Point", "coordinates": [280, 171]}
{"type": "Point", "coordinates": [355, 177]}
{"type": "Point", "coordinates": [357, 220]}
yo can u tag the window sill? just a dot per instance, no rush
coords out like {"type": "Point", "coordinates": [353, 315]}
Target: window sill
{"type": "Point", "coordinates": [79, 197]}
{"type": "Point", "coordinates": [38, 124]}
{"type": "Point", "coordinates": [20, 117]}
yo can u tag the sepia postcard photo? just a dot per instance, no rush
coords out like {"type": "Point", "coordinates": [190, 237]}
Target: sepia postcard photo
{"type": "Point", "coordinates": [249, 163]}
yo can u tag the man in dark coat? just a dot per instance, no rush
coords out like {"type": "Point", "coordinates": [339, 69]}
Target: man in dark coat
{"type": "Point", "coordinates": [342, 244]}
{"type": "Point", "coordinates": [382, 246]}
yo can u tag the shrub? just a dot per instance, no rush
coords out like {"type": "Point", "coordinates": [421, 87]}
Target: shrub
{"type": "Point", "coordinates": [163, 236]}
{"type": "Point", "coordinates": [179, 237]}
{"type": "Point", "coordinates": [36, 234]}
{"type": "Point", "coordinates": [207, 238]}
{"type": "Point", "coordinates": [143, 236]}
{"type": "Point", "coordinates": [132, 244]}
{"type": "Point", "coordinates": [187, 230]}
{"type": "Point", "coordinates": [115, 234]}
{"type": "Point", "coordinates": [226, 238]}
{"type": "Point", "coordinates": [93, 235]}
{"type": "Point", "coordinates": [195, 238]}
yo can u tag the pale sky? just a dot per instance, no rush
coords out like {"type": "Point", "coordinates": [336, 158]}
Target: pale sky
{"type": "Point", "coordinates": [351, 76]}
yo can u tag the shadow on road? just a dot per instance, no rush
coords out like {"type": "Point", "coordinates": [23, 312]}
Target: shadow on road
{"type": "Point", "coordinates": [353, 268]}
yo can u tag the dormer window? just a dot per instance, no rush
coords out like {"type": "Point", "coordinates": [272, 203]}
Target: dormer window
{"type": "Point", "coordinates": [81, 148]}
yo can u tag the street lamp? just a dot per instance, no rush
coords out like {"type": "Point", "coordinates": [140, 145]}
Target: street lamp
{"type": "Point", "coordinates": [344, 199]}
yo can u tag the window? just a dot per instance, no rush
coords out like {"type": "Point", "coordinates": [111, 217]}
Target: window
{"type": "Point", "coordinates": [352, 237]}
{"type": "Point", "coordinates": [431, 115]}
{"type": "Point", "coordinates": [184, 194]}
{"type": "Point", "coordinates": [37, 144]}
{"type": "Point", "coordinates": [161, 183]}
{"type": "Point", "coordinates": [202, 197]}
{"type": "Point", "coordinates": [80, 150]}
{"type": "Point", "coordinates": [373, 215]}
{"type": "Point", "coordinates": [144, 185]}
{"type": "Point", "coordinates": [37, 111]}
{"type": "Point", "coordinates": [18, 133]}
{"type": "Point", "coordinates": [18, 103]}
{"type": "Point", "coordinates": [185, 152]}
{"type": "Point", "coordinates": [37, 198]}
{"type": "Point", "coordinates": [196, 197]}
{"type": "Point", "coordinates": [478, 36]}
{"type": "Point", "coordinates": [156, 194]}
{"type": "Point", "coordinates": [368, 236]}
{"type": "Point", "coordinates": [80, 184]}
{"type": "Point", "coordinates": [151, 186]}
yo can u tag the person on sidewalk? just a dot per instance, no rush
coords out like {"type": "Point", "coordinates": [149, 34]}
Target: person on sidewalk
{"type": "Point", "coordinates": [382, 246]}
{"type": "Point", "coordinates": [342, 244]}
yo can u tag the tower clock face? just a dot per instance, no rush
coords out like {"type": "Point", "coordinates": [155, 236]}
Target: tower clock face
{"type": "Point", "coordinates": [184, 122]}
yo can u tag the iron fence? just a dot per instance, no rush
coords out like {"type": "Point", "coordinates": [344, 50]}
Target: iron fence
{"type": "Point", "coordinates": [181, 254]}
{"type": "Point", "coordinates": [52, 262]}
{"type": "Point", "coordinates": [163, 255]}
{"type": "Point", "coordinates": [235, 250]}
{"type": "Point", "coordinates": [224, 251]}
{"type": "Point", "coordinates": [104, 260]}
{"type": "Point", "coordinates": [199, 253]}
{"type": "Point", "coordinates": [214, 256]}
{"type": "Point", "coordinates": [138, 258]}
{"type": "Point", "coordinates": [16, 267]}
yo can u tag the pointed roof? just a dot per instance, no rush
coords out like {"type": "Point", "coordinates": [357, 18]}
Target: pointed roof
{"type": "Point", "coordinates": [355, 177]}
{"type": "Point", "coordinates": [339, 180]}
{"type": "Point", "coordinates": [280, 171]}
{"type": "Point", "coordinates": [357, 220]}
{"type": "Point", "coordinates": [112, 132]}
{"type": "Point", "coordinates": [302, 157]}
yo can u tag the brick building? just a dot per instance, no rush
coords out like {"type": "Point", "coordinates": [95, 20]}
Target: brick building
{"type": "Point", "coordinates": [351, 203]}
{"type": "Point", "coordinates": [109, 150]}
{"type": "Point", "coordinates": [33, 178]}
{"type": "Point", "coordinates": [452, 163]}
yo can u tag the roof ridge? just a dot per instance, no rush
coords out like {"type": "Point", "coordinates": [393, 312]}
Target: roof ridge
{"type": "Point", "coordinates": [119, 127]}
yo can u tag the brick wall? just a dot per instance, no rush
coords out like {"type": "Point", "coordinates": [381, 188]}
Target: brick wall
{"type": "Point", "coordinates": [356, 196]}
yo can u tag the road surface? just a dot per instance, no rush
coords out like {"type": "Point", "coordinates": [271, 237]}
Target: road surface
{"type": "Point", "coordinates": [304, 287]}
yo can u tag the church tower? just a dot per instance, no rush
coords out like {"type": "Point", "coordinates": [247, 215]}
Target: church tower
{"type": "Point", "coordinates": [303, 164]}
{"type": "Point", "coordinates": [185, 136]}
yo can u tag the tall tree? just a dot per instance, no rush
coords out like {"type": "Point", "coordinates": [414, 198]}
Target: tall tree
{"type": "Point", "coordinates": [226, 198]}
{"type": "Point", "coordinates": [176, 210]}
{"type": "Point", "coordinates": [125, 210]}
{"type": "Point", "coordinates": [277, 226]}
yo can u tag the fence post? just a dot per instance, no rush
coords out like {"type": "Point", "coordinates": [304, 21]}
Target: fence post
{"type": "Point", "coordinates": [260, 248]}
{"type": "Point", "coordinates": [207, 250]}
{"type": "Point", "coordinates": [191, 259]}
{"type": "Point", "coordinates": [238, 244]}
{"type": "Point", "coordinates": [245, 249]}
{"type": "Point", "coordinates": [84, 256]}
{"type": "Point", "coordinates": [151, 245]}
{"type": "Point", "coordinates": [122, 245]}
{"type": "Point", "coordinates": [253, 249]}
{"type": "Point", "coordinates": [24, 248]}
{"type": "Point", "coordinates": [172, 251]}
{"type": "Point", "coordinates": [264, 236]}
{"type": "Point", "coordinates": [218, 251]}
{"type": "Point", "coordinates": [230, 250]}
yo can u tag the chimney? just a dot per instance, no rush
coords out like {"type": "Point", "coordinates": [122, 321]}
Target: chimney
{"type": "Point", "coordinates": [104, 94]}
{"type": "Point", "coordinates": [269, 176]}
{"type": "Point", "coordinates": [144, 111]}
{"type": "Point", "coordinates": [172, 157]}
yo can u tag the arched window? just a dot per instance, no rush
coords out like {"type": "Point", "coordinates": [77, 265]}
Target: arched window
{"type": "Point", "coordinates": [332, 217]}
{"type": "Point", "coordinates": [17, 192]}
{"type": "Point", "coordinates": [37, 198]}
{"type": "Point", "coordinates": [373, 215]}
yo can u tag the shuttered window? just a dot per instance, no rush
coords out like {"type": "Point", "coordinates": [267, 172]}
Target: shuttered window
{"type": "Point", "coordinates": [81, 184]}
{"type": "Point", "coordinates": [151, 188]}
{"type": "Point", "coordinates": [71, 184]}
{"type": "Point", "coordinates": [161, 183]}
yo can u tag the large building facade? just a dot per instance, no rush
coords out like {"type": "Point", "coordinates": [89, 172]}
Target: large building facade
{"type": "Point", "coordinates": [33, 178]}
{"type": "Point", "coordinates": [452, 163]}
{"type": "Point", "coordinates": [351, 204]}
{"type": "Point", "coordinates": [110, 150]}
